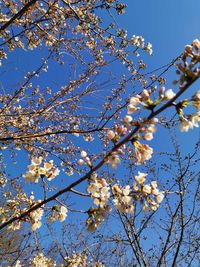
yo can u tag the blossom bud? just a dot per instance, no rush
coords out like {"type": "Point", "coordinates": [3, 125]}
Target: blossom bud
{"type": "Point", "coordinates": [83, 154]}
{"type": "Point", "coordinates": [115, 126]}
{"type": "Point", "coordinates": [169, 94]}
{"type": "Point", "coordinates": [110, 135]}
{"type": "Point", "coordinates": [87, 159]}
{"type": "Point", "coordinates": [148, 136]}
{"type": "Point", "coordinates": [135, 100]}
{"type": "Point", "coordinates": [131, 108]}
{"type": "Point", "coordinates": [147, 189]}
{"type": "Point", "coordinates": [122, 130]}
{"type": "Point", "coordinates": [196, 44]}
{"type": "Point", "coordinates": [145, 94]}
{"type": "Point", "coordinates": [136, 197]}
{"type": "Point", "coordinates": [155, 120]}
{"type": "Point", "coordinates": [159, 198]}
{"type": "Point", "coordinates": [80, 162]}
{"type": "Point", "coordinates": [188, 49]}
{"type": "Point", "coordinates": [161, 91]}
{"type": "Point", "coordinates": [128, 119]}
{"type": "Point", "coordinates": [143, 130]}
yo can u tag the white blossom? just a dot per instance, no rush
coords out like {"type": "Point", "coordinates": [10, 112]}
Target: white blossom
{"type": "Point", "coordinates": [62, 214]}
{"type": "Point", "coordinates": [169, 94]}
{"type": "Point", "coordinates": [185, 125]}
{"type": "Point", "coordinates": [83, 154]}
{"type": "Point", "coordinates": [141, 177]}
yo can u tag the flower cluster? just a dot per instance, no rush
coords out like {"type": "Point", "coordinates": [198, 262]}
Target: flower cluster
{"type": "Point", "coordinates": [143, 152]}
{"type": "Point", "coordinates": [35, 171]}
{"type": "Point", "coordinates": [188, 124]}
{"type": "Point", "coordinates": [196, 100]}
{"type": "Point", "coordinates": [62, 214]}
{"type": "Point", "coordinates": [123, 200]}
{"type": "Point", "coordinates": [192, 120]}
{"type": "Point", "coordinates": [189, 51]}
{"type": "Point", "coordinates": [18, 264]}
{"type": "Point", "coordinates": [99, 190]}
{"type": "Point", "coordinates": [139, 42]}
{"type": "Point", "coordinates": [36, 217]}
{"type": "Point", "coordinates": [19, 204]}
{"type": "Point", "coordinates": [3, 182]}
{"type": "Point", "coordinates": [187, 69]}
{"type": "Point", "coordinates": [133, 104]}
{"type": "Point", "coordinates": [76, 260]}
{"type": "Point", "coordinates": [59, 213]}
{"type": "Point", "coordinates": [40, 260]}
{"type": "Point", "coordinates": [148, 193]}
{"type": "Point", "coordinates": [84, 159]}
{"type": "Point", "coordinates": [113, 159]}
{"type": "Point", "coordinates": [148, 130]}
{"type": "Point", "coordinates": [96, 217]}
{"type": "Point", "coordinates": [166, 95]}
{"type": "Point", "coordinates": [118, 130]}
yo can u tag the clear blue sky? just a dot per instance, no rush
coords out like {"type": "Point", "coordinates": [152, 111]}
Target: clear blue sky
{"type": "Point", "coordinates": [169, 25]}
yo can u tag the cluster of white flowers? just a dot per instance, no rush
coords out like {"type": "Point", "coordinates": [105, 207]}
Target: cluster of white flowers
{"type": "Point", "coordinates": [153, 197]}
{"type": "Point", "coordinates": [148, 48]}
{"type": "Point", "coordinates": [133, 104]}
{"type": "Point", "coordinates": [119, 130]}
{"type": "Point", "coordinates": [143, 152]}
{"type": "Point", "coordinates": [169, 94]}
{"type": "Point", "coordinates": [99, 190]}
{"type": "Point", "coordinates": [96, 217]}
{"type": "Point", "coordinates": [36, 217]}
{"type": "Point", "coordinates": [41, 261]}
{"type": "Point", "coordinates": [113, 159]}
{"type": "Point", "coordinates": [139, 42]}
{"type": "Point", "coordinates": [191, 51]}
{"type": "Point", "coordinates": [149, 130]}
{"type": "Point", "coordinates": [148, 194]}
{"type": "Point", "coordinates": [84, 159]}
{"type": "Point", "coordinates": [59, 213]}
{"type": "Point", "coordinates": [110, 135]}
{"type": "Point", "coordinates": [15, 226]}
{"type": "Point", "coordinates": [17, 264]}
{"type": "Point", "coordinates": [16, 204]}
{"type": "Point", "coordinates": [189, 48]}
{"type": "Point", "coordinates": [35, 171]}
{"type": "Point", "coordinates": [188, 124]}
{"type": "Point", "coordinates": [123, 200]}
{"type": "Point", "coordinates": [196, 100]}
{"type": "Point", "coordinates": [194, 119]}
{"type": "Point", "coordinates": [3, 182]}
{"type": "Point", "coordinates": [38, 260]}
{"type": "Point", "coordinates": [76, 260]}
{"type": "Point", "coordinates": [62, 213]}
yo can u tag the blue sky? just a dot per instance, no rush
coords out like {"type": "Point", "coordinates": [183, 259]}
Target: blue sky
{"type": "Point", "coordinates": [169, 25]}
